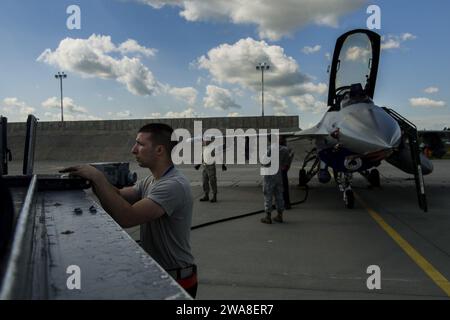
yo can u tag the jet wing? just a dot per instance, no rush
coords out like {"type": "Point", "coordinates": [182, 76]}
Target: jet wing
{"type": "Point", "coordinates": [313, 133]}
{"type": "Point", "coordinates": [245, 135]}
{"type": "Point", "coordinates": [316, 131]}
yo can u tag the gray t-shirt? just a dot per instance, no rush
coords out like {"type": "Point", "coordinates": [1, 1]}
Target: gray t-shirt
{"type": "Point", "coordinates": [166, 239]}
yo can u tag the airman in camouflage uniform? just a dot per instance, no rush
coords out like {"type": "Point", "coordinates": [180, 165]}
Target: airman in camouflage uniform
{"type": "Point", "coordinates": [273, 188]}
{"type": "Point", "coordinates": [209, 177]}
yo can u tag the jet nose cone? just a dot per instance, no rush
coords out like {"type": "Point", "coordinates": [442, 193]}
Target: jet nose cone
{"type": "Point", "coordinates": [385, 128]}
{"type": "Point", "coordinates": [369, 129]}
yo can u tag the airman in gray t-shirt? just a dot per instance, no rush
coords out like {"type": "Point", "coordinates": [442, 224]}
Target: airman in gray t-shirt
{"type": "Point", "coordinates": [166, 239]}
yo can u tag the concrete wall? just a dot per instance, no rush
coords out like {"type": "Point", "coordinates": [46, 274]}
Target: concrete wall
{"type": "Point", "coordinates": [112, 140]}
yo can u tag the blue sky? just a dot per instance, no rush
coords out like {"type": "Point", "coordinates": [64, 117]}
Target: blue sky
{"type": "Point", "coordinates": [175, 58]}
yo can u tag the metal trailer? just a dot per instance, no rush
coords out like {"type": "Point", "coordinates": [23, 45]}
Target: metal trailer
{"type": "Point", "coordinates": [62, 245]}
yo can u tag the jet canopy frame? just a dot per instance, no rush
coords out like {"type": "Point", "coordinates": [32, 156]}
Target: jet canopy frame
{"type": "Point", "coordinates": [374, 39]}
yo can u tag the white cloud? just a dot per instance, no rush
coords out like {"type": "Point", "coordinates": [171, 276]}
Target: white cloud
{"type": "Point", "coordinates": [131, 46]}
{"type": "Point", "coordinates": [236, 64]}
{"type": "Point", "coordinates": [16, 110]}
{"type": "Point", "coordinates": [320, 88]}
{"type": "Point", "coordinates": [72, 111]}
{"type": "Point", "coordinates": [219, 98]}
{"type": "Point", "coordinates": [408, 36]}
{"type": "Point", "coordinates": [309, 125]}
{"type": "Point", "coordinates": [200, 80]}
{"type": "Point", "coordinates": [390, 44]}
{"type": "Point", "coordinates": [50, 116]}
{"type": "Point", "coordinates": [357, 53]}
{"type": "Point", "coordinates": [187, 94]}
{"type": "Point", "coordinates": [154, 115]}
{"type": "Point", "coordinates": [311, 50]}
{"type": "Point", "coordinates": [92, 57]}
{"type": "Point", "coordinates": [274, 19]}
{"type": "Point", "coordinates": [426, 102]}
{"type": "Point", "coordinates": [431, 90]}
{"type": "Point", "coordinates": [233, 114]}
{"type": "Point", "coordinates": [390, 41]}
{"type": "Point", "coordinates": [124, 114]}
{"type": "Point", "coordinates": [188, 113]}
{"type": "Point", "coordinates": [277, 103]}
{"type": "Point", "coordinates": [68, 105]}
{"type": "Point", "coordinates": [308, 103]}
{"type": "Point", "coordinates": [238, 92]}
{"type": "Point", "coordinates": [121, 114]}
{"type": "Point", "coordinates": [14, 104]}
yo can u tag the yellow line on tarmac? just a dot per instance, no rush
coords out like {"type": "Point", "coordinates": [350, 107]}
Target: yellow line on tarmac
{"type": "Point", "coordinates": [431, 271]}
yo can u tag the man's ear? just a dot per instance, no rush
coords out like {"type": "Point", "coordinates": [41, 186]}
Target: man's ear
{"type": "Point", "coordinates": [160, 149]}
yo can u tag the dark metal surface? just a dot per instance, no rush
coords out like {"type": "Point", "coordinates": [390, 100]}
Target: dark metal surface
{"type": "Point", "coordinates": [5, 153]}
{"type": "Point", "coordinates": [50, 237]}
{"type": "Point", "coordinates": [112, 265]}
{"type": "Point", "coordinates": [30, 143]}
{"type": "Point", "coordinates": [48, 182]}
{"type": "Point", "coordinates": [17, 275]}
{"type": "Point", "coordinates": [117, 173]}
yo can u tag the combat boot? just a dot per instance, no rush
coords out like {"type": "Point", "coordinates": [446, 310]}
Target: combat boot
{"type": "Point", "coordinates": [214, 198]}
{"type": "Point", "coordinates": [205, 198]}
{"type": "Point", "coordinates": [279, 217]}
{"type": "Point", "coordinates": [267, 219]}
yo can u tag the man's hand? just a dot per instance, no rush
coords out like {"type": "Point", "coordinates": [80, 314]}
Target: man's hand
{"type": "Point", "coordinates": [84, 171]}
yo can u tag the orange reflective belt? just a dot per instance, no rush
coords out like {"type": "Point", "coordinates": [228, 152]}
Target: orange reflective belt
{"type": "Point", "coordinates": [188, 282]}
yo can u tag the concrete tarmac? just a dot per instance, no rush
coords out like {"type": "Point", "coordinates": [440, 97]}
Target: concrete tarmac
{"type": "Point", "coordinates": [322, 250]}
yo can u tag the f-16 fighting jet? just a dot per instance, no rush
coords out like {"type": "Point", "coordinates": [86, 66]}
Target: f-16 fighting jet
{"type": "Point", "coordinates": [355, 134]}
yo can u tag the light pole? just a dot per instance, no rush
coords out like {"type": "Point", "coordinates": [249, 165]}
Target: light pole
{"type": "Point", "coordinates": [61, 76]}
{"type": "Point", "coordinates": [262, 66]}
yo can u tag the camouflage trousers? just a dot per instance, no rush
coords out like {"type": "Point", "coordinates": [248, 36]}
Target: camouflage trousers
{"type": "Point", "coordinates": [209, 177]}
{"type": "Point", "coordinates": [273, 188]}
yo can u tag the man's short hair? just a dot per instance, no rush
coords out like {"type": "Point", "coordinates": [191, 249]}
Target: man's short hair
{"type": "Point", "coordinates": [161, 134]}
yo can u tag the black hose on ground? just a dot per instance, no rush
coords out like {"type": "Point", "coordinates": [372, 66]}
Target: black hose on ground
{"type": "Point", "coordinates": [246, 214]}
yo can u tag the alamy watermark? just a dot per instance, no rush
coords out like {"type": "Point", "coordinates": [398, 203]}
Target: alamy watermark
{"type": "Point", "coordinates": [374, 20]}
{"type": "Point", "coordinates": [212, 146]}
{"type": "Point", "coordinates": [374, 280]}
{"type": "Point", "coordinates": [74, 20]}
{"type": "Point", "coordinates": [74, 280]}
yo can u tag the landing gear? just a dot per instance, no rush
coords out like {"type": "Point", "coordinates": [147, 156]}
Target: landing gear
{"type": "Point", "coordinates": [349, 199]}
{"type": "Point", "coordinates": [344, 181]}
{"type": "Point", "coordinates": [323, 174]}
{"type": "Point", "coordinates": [374, 178]}
{"type": "Point", "coordinates": [305, 174]}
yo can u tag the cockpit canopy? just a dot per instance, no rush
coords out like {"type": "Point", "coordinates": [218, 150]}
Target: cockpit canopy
{"type": "Point", "coordinates": [354, 68]}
